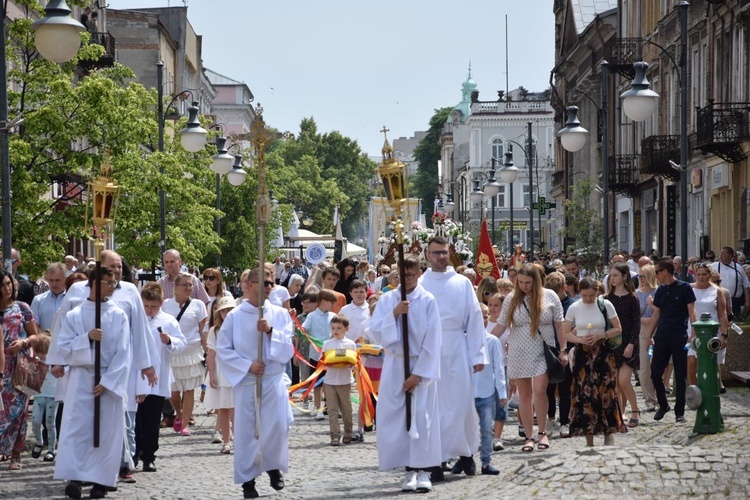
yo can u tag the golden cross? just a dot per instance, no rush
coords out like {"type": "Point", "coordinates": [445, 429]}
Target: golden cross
{"type": "Point", "coordinates": [385, 131]}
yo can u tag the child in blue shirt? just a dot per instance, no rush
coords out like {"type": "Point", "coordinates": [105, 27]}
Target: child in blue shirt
{"type": "Point", "coordinates": [487, 383]}
{"type": "Point", "coordinates": [45, 404]}
{"type": "Point", "coordinates": [318, 326]}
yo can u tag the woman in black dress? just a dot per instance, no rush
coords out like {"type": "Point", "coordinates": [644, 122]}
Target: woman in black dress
{"type": "Point", "coordinates": [622, 295]}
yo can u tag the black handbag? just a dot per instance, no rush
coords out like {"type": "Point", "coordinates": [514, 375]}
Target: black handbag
{"type": "Point", "coordinates": [555, 368]}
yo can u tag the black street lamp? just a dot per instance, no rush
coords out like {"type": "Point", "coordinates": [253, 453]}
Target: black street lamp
{"type": "Point", "coordinates": [639, 103]}
{"type": "Point", "coordinates": [57, 38]}
{"type": "Point", "coordinates": [509, 175]}
{"type": "Point", "coordinates": [192, 138]}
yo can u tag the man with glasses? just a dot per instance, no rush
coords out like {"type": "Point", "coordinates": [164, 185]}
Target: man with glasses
{"type": "Point", "coordinates": [237, 349]}
{"type": "Point", "coordinates": [462, 353]}
{"type": "Point", "coordinates": [673, 307]}
{"type": "Point", "coordinates": [173, 267]}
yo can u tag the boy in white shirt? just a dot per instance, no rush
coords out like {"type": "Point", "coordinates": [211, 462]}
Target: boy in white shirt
{"type": "Point", "coordinates": [357, 312]}
{"type": "Point", "coordinates": [338, 382]}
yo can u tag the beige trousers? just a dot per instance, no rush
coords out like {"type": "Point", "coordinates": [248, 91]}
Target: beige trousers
{"type": "Point", "coordinates": [337, 401]}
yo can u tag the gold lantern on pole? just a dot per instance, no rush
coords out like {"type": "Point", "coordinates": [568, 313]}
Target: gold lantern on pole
{"type": "Point", "coordinates": [103, 193]}
{"type": "Point", "coordinates": [393, 176]}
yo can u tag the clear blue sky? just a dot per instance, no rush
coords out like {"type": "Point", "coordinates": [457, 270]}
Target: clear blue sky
{"type": "Point", "coordinates": [356, 65]}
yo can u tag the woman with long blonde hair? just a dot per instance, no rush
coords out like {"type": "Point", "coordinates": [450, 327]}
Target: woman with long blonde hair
{"type": "Point", "coordinates": [533, 314]}
{"type": "Point", "coordinates": [645, 294]}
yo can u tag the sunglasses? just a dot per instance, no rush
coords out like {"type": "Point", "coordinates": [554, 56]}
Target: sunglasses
{"type": "Point", "coordinates": [641, 276]}
{"type": "Point", "coordinates": [265, 283]}
{"type": "Point", "coordinates": [209, 278]}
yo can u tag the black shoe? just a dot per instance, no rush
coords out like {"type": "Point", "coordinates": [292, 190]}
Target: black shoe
{"type": "Point", "coordinates": [436, 474]}
{"type": "Point", "coordinates": [490, 470]}
{"type": "Point", "coordinates": [73, 489]}
{"type": "Point", "coordinates": [149, 466]}
{"type": "Point", "coordinates": [661, 412]}
{"type": "Point", "coordinates": [723, 390]}
{"type": "Point", "coordinates": [277, 480]}
{"type": "Point", "coordinates": [680, 419]}
{"type": "Point", "coordinates": [444, 466]}
{"type": "Point", "coordinates": [97, 492]}
{"type": "Point", "coordinates": [458, 467]}
{"type": "Point", "coordinates": [469, 466]}
{"type": "Point", "coordinates": [248, 490]}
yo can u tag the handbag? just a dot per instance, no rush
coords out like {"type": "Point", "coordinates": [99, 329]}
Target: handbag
{"type": "Point", "coordinates": [615, 341]}
{"type": "Point", "coordinates": [29, 374]}
{"type": "Point", "coordinates": [555, 368]}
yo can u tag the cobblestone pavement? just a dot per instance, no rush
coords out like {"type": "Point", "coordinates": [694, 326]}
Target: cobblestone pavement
{"type": "Point", "coordinates": [655, 459]}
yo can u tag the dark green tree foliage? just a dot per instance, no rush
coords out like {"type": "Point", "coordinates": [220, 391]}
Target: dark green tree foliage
{"type": "Point", "coordinates": [427, 153]}
{"type": "Point", "coordinates": [315, 172]}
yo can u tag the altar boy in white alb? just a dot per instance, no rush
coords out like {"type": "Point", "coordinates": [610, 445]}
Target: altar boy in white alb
{"type": "Point", "coordinates": [237, 351]}
{"type": "Point", "coordinates": [463, 353]}
{"type": "Point", "coordinates": [77, 459]}
{"type": "Point", "coordinates": [418, 449]}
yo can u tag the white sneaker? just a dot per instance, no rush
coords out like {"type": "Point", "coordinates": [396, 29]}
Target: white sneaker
{"type": "Point", "coordinates": [423, 481]}
{"type": "Point", "coordinates": [217, 438]}
{"type": "Point", "coordinates": [564, 431]}
{"type": "Point", "coordinates": [311, 408]}
{"type": "Point", "coordinates": [498, 445]}
{"type": "Point", "coordinates": [410, 481]}
{"type": "Point", "coordinates": [319, 414]}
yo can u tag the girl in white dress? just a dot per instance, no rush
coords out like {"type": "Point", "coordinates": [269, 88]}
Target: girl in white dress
{"type": "Point", "coordinates": [533, 314]}
{"type": "Point", "coordinates": [219, 394]}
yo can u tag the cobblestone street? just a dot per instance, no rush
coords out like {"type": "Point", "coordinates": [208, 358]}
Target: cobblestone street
{"type": "Point", "coordinates": [655, 459]}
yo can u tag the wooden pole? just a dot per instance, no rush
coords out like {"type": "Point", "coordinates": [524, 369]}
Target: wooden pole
{"type": "Point", "coordinates": [98, 247]}
{"type": "Point", "coordinates": [404, 318]}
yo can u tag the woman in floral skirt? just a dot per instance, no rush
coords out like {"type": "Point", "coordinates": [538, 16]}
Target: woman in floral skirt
{"type": "Point", "coordinates": [594, 406]}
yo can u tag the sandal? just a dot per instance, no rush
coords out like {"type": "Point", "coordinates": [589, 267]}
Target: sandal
{"type": "Point", "coordinates": [527, 448]}
{"type": "Point", "coordinates": [37, 451]}
{"type": "Point", "coordinates": [15, 464]}
{"type": "Point", "coordinates": [633, 422]}
{"type": "Point", "coordinates": [543, 446]}
{"type": "Point", "coordinates": [226, 449]}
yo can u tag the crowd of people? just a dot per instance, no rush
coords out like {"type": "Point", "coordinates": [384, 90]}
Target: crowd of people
{"type": "Point", "coordinates": [474, 346]}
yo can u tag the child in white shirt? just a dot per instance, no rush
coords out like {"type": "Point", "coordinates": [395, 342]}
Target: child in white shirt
{"type": "Point", "coordinates": [338, 382]}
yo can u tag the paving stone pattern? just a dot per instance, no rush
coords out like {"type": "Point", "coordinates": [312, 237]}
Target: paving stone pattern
{"type": "Point", "coordinates": [661, 459]}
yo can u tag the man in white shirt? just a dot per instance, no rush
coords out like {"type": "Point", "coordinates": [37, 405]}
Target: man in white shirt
{"type": "Point", "coordinates": [734, 279]}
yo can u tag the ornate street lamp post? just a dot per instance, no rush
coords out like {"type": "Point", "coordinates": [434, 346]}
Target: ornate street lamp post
{"type": "Point", "coordinates": [509, 175]}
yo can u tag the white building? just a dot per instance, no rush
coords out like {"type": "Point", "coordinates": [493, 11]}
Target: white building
{"type": "Point", "coordinates": [478, 132]}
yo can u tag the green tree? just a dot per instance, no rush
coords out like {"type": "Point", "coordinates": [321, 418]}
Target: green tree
{"type": "Point", "coordinates": [70, 126]}
{"type": "Point", "coordinates": [584, 227]}
{"type": "Point", "coordinates": [427, 153]}
{"type": "Point", "coordinates": [326, 170]}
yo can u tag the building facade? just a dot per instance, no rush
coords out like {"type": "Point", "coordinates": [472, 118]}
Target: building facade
{"type": "Point", "coordinates": [644, 156]}
{"type": "Point", "coordinates": [475, 138]}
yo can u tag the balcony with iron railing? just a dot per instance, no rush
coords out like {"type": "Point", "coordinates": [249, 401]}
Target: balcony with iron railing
{"type": "Point", "coordinates": [656, 152]}
{"type": "Point", "coordinates": [623, 175]}
{"type": "Point", "coordinates": [622, 53]}
{"type": "Point", "coordinates": [722, 127]}
{"type": "Point", "coordinates": [107, 60]}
